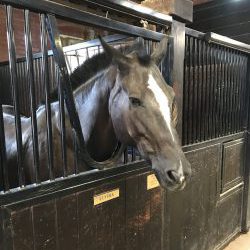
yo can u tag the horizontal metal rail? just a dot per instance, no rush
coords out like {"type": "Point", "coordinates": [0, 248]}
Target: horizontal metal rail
{"type": "Point", "coordinates": [46, 189]}
{"type": "Point", "coordinates": [219, 39]}
{"type": "Point", "coordinates": [223, 40]}
{"type": "Point", "coordinates": [80, 16]}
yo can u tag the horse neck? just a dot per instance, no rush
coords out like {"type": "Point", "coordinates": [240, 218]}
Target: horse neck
{"type": "Point", "coordinates": [92, 106]}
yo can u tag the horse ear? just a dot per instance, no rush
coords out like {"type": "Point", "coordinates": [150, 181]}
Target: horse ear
{"type": "Point", "coordinates": [160, 51]}
{"type": "Point", "coordinates": [117, 57]}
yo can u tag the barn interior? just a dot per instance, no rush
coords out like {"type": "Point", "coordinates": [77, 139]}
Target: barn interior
{"type": "Point", "coordinates": [124, 207]}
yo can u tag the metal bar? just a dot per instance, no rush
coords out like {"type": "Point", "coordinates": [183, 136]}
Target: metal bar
{"type": "Point", "coordinates": [195, 104]}
{"type": "Point", "coordinates": [30, 77]}
{"type": "Point", "coordinates": [226, 41]}
{"type": "Point", "coordinates": [239, 74]}
{"type": "Point", "coordinates": [220, 90]}
{"type": "Point", "coordinates": [125, 156]}
{"type": "Point", "coordinates": [199, 90]}
{"type": "Point", "coordinates": [75, 145]}
{"type": "Point", "coordinates": [190, 93]}
{"type": "Point", "coordinates": [242, 90]}
{"type": "Point", "coordinates": [59, 58]}
{"type": "Point", "coordinates": [235, 99]}
{"type": "Point", "coordinates": [246, 204]}
{"type": "Point", "coordinates": [213, 92]}
{"type": "Point", "coordinates": [217, 90]}
{"type": "Point", "coordinates": [3, 160]}
{"type": "Point", "coordinates": [246, 93]}
{"type": "Point", "coordinates": [226, 108]}
{"type": "Point", "coordinates": [133, 154]}
{"type": "Point", "coordinates": [231, 92]}
{"type": "Point", "coordinates": [45, 74]}
{"type": "Point", "coordinates": [15, 93]}
{"type": "Point", "coordinates": [83, 181]}
{"type": "Point", "coordinates": [223, 91]}
{"type": "Point", "coordinates": [203, 90]}
{"type": "Point", "coordinates": [62, 124]}
{"type": "Point", "coordinates": [185, 94]}
{"type": "Point", "coordinates": [205, 82]}
{"type": "Point", "coordinates": [80, 16]}
{"type": "Point", "coordinates": [208, 90]}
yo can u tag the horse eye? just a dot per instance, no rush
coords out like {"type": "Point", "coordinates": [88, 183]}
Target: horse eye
{"type": "Point", "coordinates": [135, 101]}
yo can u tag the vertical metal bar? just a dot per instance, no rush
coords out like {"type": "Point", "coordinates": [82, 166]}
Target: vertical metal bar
{"type": "Point", "coordinates": [246, 201]}
{"type": "Point", "coordinates": [77, 57]}
{"type": "Point", "coordinates": [199, 90]}
{"type": "Point", "coordinates": [226, 108]}
{"type": "Point", "coordinates": [232, 92]}
{"type": "Point", "coordinates": [45, 74]}
{"type": "Point", "coordinates": [133, 154]}
{"type": "Point", "coordinates": [213, 90]}
{"type": "Point", "coordinates": [217, 91]}
{"type": "Point", "coordinates": [229, 94]}
{"type": "Point", "coordinates": [205, 82]}
{"type": "Point", "coordinates": [223, 91]}
{"type": "Point", "coordinates": [87, 50]}
{"type": "Point", "coordinates": [208, 90]}
{"type": "Point", "coordinates": [3, 163]}
{"type": "Point", "coordinates": [185, 94]}
{"type": "Point", "coordinates": [245, 92]}
{"type": "Point", "coordinates": [15, 93]}
{"type": "Point", "coordinates": [190, 92]}
{"type": "Point", "coordinates": [30, 77]}
{"type": "Point", "coordinates": [203, 91]}
{"type": "Point", "coordinates": [235, 82]}
{"type": "Point", "coordinates": [238, 82]}
{"type": "Point", "coordinates": [194, 69]}
{"type": "Point", "coordinates": [241, 92]}
{"type": "Point", "coordinates": [178, 33]}
{"type": "Point", "coordinates": [62, 124]}
{"type": "Point", "coordinates": [220, 102]}
{"type": "Point", "coordinates": [76, 166]}
{"type": "Point", "coordinates": [125, 156]}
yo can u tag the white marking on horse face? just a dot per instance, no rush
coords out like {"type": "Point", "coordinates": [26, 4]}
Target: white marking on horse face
{"type": "Point", "coordinates": [162, 101]}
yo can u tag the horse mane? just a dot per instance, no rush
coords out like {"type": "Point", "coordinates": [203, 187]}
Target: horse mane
{"type": "Point", "coordinates": [97, 63]}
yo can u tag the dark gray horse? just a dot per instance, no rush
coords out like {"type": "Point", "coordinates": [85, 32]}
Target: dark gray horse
{"type": "Point", "coordinates": [125, 99]}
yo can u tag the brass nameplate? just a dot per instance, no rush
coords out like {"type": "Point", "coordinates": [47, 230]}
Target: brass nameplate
{"type": "Point", "coordinates": [107, 196]}
{"type": "Point", "coordinates": [152, 182]}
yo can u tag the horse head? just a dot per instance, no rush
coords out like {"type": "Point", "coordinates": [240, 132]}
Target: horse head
{"type": "Point", "coordinates": [143, 113]}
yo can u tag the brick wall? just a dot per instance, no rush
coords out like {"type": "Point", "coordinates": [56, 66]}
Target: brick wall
{"type": "Point", "coordinates": [18, 24]}
{"type": "Point", "coordinates": [65, 28]}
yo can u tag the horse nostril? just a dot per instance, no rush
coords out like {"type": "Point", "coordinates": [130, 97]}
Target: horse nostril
{"type": "Point", "coordinates": [172, 176]}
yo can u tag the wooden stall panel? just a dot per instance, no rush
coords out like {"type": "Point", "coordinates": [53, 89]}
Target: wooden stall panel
{"type": "Point", "coordinates": [229, 212]}
{"type": "Point", "coordinates": [233, 162]}
{"type": "Point", "coordinates": [45, 226]}
{"type": "Point", "coordinates": [190, 213]}
{"type": "Point", "coordinates": [101, 215]}
{"type": "Point", "coordinates": [126, 214]}
{"type": "Point", "coordinates": [144, 211]}
{"type": "Point", "coordinates": [23, 235]}
{"type": "Point", "coordinates": [67, 222]}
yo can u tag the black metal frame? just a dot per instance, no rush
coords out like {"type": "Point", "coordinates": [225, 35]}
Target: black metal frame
{"type": "Point", "coordinates": [11, 200]}
{"type": "Point", "coordinates": [48, 26]}
{"type": "Point", "coordinates": [76, 15]}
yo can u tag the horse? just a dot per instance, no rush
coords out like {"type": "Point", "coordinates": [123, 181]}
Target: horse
{"type": "Point", "coordinates": [124, 99]}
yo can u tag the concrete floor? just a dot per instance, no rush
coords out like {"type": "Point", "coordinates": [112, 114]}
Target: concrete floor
{"type": "Point", "coordinates": [240, 243]}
